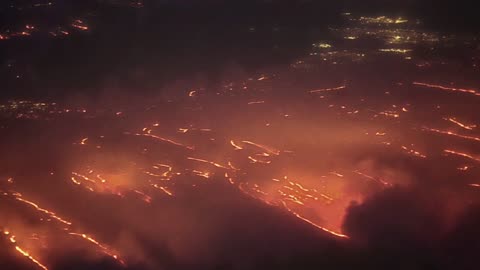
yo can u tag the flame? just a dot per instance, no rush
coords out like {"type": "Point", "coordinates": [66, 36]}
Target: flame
{"type": "Point", "coordinates": [328, 89]}
{"type": "Point", "coordinates": [446, 88]}
{"type": "Point", "coordinates": [376, 179]}
{"type": "Point", "coordinates": [105, 249]}
{"type": "Point", "coordinates": [208, 162]}
{"type": "Point", "coordinates": [337, 234]}
{"type": "Point", "coordinates": [256, 102]}
{"type": "Point", "coordinates": [26, 254]}
{"type": "Point", "coordinates": [473, 138]}
{"type": "Point", "coordinates": [164, 189]}
{"type": "Point", "coordinates": [236, 146]}
{"type": "Point", "coordinates": [166, 140]}
{"type": "Point", "coordinates": [462, 155]}
{"type": "Point", "coordinates": [50, 213]}
{"type": "Point", "coordinates": [458, 123]}
{"type": "Point", "coordinates": [202, 174]}
{"type": "Point", "coordinates": [413, 152]}
{"type": "Point", "coordinates": [270, 150]}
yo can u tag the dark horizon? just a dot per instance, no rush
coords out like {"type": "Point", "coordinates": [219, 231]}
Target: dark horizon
{"type": "Point", "coordinates": [207, 36]}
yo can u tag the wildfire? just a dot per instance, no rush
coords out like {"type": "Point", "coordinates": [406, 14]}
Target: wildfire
{"type": "Point", "coordinates": [413, 152]}
{"type": "Point", "coordinates": [254, 160]}
{"type": "Point", "coordinates": [105, 249]}
{"type": "Point", "coordinates": [256, 102]}
{"type": "Point", "coordinates": [202, 174]}
{"type": "Point", "coordinates": [337, 234]}
{"type": "Point", "coordinates": [450, 133]}
{"type": "Point", "coordinates": [446, 88]}
{"type": "Point", "coordinates": [22, 251]}
{"type": "Point", "coordinates": [166, 175]}
{"type": "Point", "coordinates": [395, 50]}
{"type": "Point", "coordinates": [49, 213]}
{"type": "Point", "coordinates": [166, 140]}
{"type": "Point", "coordinates": [458, 123]}
{"type": "Point", "coordinates": [236, 146]}
{"type": "Point", "coordinates": [328, 89]}
{"type": "Point", "coordinates": [268, 149]}
{"type": "Point", "coordinates": [376, 179]}
{"type": "Point", "coordinates": [390, 114]}
{"type": "Point", "coordinates": [164, 189]}
{"type": "Point", "coordinates": [79, 24]}
{"type": "Point", "coordinates": [208, 162]}
{"type": "Point", "coordinates": [30, 257]}
{"type": "Point", "coordinates": [462, 155]}
{"type": "Point", "coordinates": [318, 143]}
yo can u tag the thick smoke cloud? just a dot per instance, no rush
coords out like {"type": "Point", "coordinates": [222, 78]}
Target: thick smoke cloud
{"type": "Point", "coordinates": [404, 228]}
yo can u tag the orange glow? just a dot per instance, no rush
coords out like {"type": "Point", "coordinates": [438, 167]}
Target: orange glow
{"type": "Point", "coordinates": [80, 25]}
{"type": "Point", "coordinates": [105, 249]}
{"type": "Point", "coordinates": [337, 234]}
{"type": "Point", "coordinates": [413, 152]}
{"type": "Point", "coordinates": [254, 160]}
{"type": "Point", "coordinates": [270, 150]}
{"type": "Point", "coordinates": [312, 142]}
{"type": "Point", "coordinates": [390, 114]}
{"type": "Point", "coordinates": [328, 89]}
{"type": "Point", "coordinates": [26, 254]}
{"type": "Point", "coordinates": [458, 123]}
{"type": "Point", "coordinates": [202, 174]}
{"type": "Point", "coordinates": [208, 162]}
{"type": "Point", "coordinates": [446, 88]}
{"type": "Point", "coordinates": [462, 155]}
{"type": "Point", "coordinates": [236, 146]}
{"type": "Point", "coordinates": [256, 102]}
{"type": "Point", "coordinates": [164, 189]}
{"type": "Point", "coordinates": [473, 138]}
{"type": "Point", "coordinates": [166, 140]}
{"type": "Point", "coordinates": [376, 179]}
{"type": "Point", "coordinates": [50, 213]}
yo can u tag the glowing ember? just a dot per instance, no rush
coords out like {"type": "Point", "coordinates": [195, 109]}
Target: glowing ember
{"type": "Point", "coordinates": [51, 214]}
{"type": "Point", "coordinates": [26, 254]}
{"type": "Point", "coordinates": [450, 133]}
{"type": "Point", "coordinates": [465, 155]}
{"type": "Point", "coordinates": [462, 125]}
{"type": "Point", "coordinates": [446, 88]}
{"type": "Point", "coordinates": [328, 89]}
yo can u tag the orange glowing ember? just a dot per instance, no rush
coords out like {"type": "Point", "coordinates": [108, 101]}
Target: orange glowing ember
{"type": "Point", "coordinates": [446, 88]}
{"type": "Point", "coordinates": [26, 254]}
